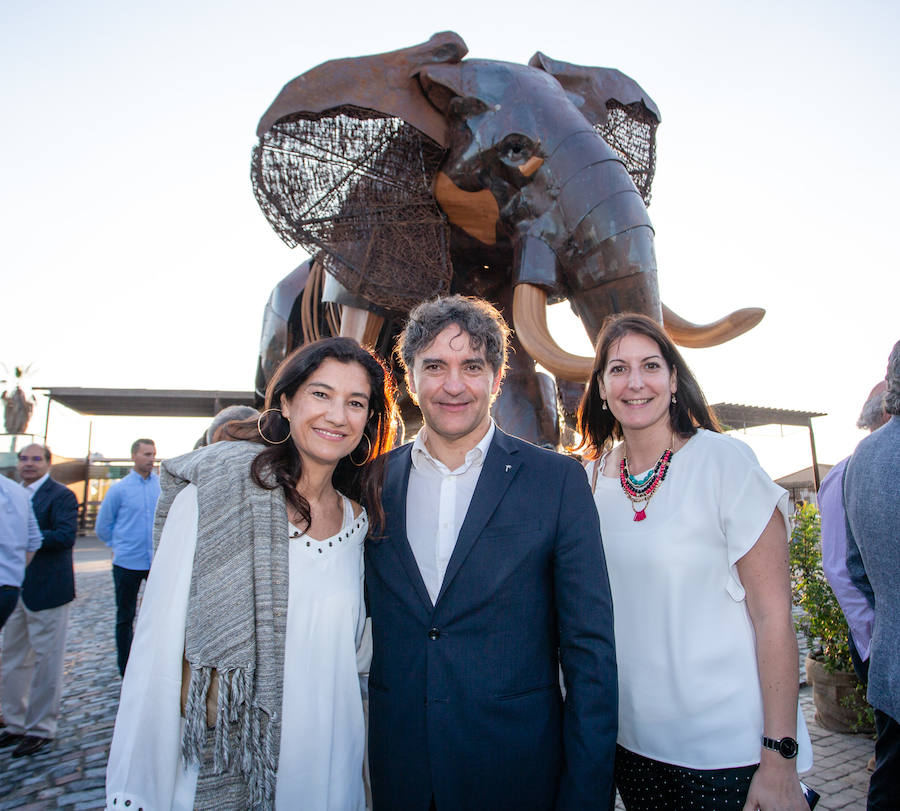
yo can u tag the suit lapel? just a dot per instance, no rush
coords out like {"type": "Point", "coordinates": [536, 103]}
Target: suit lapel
{"type": "Point", "coordinates": [41, 496]}
{"type": "Point", "coordinates": [394, 500]}
{"type": "Point", "coordinates": [497, 472]}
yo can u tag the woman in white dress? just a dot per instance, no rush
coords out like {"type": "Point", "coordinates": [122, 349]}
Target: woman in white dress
{"type": "Point", "coordinates": [695, 536]}
{"type": "Point", "coordinates": [242, 690]}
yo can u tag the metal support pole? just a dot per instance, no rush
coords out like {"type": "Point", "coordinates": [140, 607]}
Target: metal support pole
{"type": "Point", "coordinates": [815, 461]}
{"type": "Point", "coordinates": [87, 479]}
{"type": "Point", "coordinates": [47, 418]}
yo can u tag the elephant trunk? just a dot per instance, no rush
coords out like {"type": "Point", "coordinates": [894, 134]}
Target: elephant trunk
{"type": "Point", "coordinates": [593, 244]}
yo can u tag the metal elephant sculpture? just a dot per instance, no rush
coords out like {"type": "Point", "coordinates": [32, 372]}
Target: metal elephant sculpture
{"type": "Point", "coordinates": [416, 173]}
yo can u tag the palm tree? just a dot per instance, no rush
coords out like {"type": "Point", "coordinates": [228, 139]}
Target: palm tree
{"type": "Point", "coordinates": [18, 406]}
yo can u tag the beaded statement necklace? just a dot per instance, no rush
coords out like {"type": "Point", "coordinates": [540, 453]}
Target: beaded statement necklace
{"type": "Point", "coordinates": [640, 490]}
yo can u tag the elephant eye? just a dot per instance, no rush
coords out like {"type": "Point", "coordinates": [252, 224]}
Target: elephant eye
{"type": "Point", "coordinates": [516, 148]}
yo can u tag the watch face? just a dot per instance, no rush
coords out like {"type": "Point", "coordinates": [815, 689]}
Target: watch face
{"type": "Point", "coordinates": [787, 747]}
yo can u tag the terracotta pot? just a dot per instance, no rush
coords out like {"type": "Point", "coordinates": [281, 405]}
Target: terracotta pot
{"type": "Point", "coordinates": [836, 699]}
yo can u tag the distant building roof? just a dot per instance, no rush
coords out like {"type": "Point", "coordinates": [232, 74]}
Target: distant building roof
{"type": "Point", "coordinates": [803, 478]}
{"type": "Point", "coordinates": [148, 402]}
{"type": "Point", "coordinates": [733, 416]}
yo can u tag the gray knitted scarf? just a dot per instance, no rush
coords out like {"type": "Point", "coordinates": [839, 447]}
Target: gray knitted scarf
{"type": "Point", "coordinates": [236, 620]}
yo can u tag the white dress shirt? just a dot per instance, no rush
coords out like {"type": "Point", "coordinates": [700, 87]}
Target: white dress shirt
{"type": "Point", "coordinates": [436, 505]}
{"type": "Point", "coordinates": [19, 532]}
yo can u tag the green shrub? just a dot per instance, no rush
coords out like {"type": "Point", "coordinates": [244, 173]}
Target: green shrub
{"type": "Point", "coordinates": [822, 622]}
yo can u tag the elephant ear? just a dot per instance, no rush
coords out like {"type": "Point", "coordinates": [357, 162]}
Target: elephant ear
{"type": "Point", "coordinates": [384, 83]}
{"type": "Point", "coordinates": [344, 166]}
{"type": "Point", "coordinates": [618, 108]}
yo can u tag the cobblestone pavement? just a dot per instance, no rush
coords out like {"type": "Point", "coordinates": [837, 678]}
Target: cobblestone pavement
{"type": "Point", "coordinates": [70, 773]}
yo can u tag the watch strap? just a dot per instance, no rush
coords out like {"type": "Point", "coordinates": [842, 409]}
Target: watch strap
{"type": "Point", "coordinates": [786, 747]}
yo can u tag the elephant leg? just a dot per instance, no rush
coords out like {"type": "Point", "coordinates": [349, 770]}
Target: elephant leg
{"type": "Point", "coordinates": [526, 408]}
{"type": "Point", "coordinates": [362, 325]}
{"type": "Point", "coordinates": [570, 394]}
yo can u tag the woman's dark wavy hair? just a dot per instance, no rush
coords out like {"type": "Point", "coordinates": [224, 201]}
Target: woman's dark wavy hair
{"type": "Point", "coordinates": [282, 462]}
{"type": "Point", "coordinates": [599, 428]}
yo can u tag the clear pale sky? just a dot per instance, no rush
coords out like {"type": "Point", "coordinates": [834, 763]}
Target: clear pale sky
{"type": "Point", "coordinates": [133, 253]}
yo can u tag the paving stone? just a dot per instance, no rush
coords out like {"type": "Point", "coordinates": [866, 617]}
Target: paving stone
{"type": "Point", "coordinates": [93, 796]}
{"type": "Point", "coordinates": [75, 764]}
{"type": "Point", "coordinates": [84, 785]}
{"type": "Point", "coordinates": [29, 781]}
{"type": "Point", "coordinates": [71, 765]}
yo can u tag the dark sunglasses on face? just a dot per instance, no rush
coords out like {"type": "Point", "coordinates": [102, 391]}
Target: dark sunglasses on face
{"type": "Point", "coordinates": [31, 458]}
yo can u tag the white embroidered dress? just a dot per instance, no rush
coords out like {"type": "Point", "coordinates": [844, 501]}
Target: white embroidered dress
{"type": "Point", "coordinates": [320, 763]}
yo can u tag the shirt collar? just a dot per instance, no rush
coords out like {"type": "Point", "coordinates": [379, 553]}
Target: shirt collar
{"type": "Point", "coordinates": [422, 456]}
{"type": "Point", "coordinates": [36, 485]}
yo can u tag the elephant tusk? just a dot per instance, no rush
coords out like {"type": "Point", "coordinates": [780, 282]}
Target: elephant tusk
{"type": "Point", "coordinates": [700, 336]}
{"type": "Point", "coordinates": [530, 322]}
{"type": "Point", "coordinates": [531, 165]}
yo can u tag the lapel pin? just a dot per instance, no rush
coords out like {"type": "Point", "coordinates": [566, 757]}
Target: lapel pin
{"type": "Point", "coordinates": [508, 468]}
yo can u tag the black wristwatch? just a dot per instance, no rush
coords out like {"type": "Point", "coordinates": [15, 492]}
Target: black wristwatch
{"type": "Point", "coordinates": [786, 747]}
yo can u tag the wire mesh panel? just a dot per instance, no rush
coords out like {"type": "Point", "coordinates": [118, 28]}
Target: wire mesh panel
{"type": "Point", "coordinates": [357, 186]}
{"type": "Point", "coordinates": [631, 131]}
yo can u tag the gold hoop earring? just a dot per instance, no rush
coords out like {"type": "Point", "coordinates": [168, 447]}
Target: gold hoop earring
{"type": "Point", "coordinates": [368, 451]}
{"type": "Point", "coordinates": [259, 427]}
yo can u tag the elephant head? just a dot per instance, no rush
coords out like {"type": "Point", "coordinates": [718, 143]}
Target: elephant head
{"type": "Point", "coordinates": [418, 172]}
{"type": "Point", "coordinates": [563, 197]}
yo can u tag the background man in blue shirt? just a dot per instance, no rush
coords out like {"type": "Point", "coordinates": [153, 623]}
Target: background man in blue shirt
{"type": "Point", "coordinates": [125, 523]}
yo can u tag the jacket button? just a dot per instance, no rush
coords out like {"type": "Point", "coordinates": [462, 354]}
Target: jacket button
{"type": "Point", "coordinates": [434, 633]}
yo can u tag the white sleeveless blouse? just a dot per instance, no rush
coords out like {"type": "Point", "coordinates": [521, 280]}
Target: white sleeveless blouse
{"type": "Point", "coordinates": [689, 691]}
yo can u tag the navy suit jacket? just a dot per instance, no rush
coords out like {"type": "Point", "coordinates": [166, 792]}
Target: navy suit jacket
{"type": "Point", "coordinates": [49, 578]}
{"type": "Point", "coordinates": [464, 697]}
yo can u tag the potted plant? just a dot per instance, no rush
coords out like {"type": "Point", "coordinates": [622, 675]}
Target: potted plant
{"type": "Point", "coordinates": [838, 696]}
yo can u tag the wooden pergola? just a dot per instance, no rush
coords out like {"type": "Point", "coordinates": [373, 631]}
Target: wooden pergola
{"type": "Point", "coordinates": [733, 416]}
{"type": "Point", "coordinates": [146, 402]}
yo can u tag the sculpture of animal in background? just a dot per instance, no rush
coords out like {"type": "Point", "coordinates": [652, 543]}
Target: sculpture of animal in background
{"type": "Point", "coordinates": [416, 173]}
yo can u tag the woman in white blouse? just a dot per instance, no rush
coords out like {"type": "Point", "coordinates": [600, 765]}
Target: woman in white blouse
{"type": "Point", "coordinates": [695, 536]}
{"type": "Point", "coordinates": [242, 690]}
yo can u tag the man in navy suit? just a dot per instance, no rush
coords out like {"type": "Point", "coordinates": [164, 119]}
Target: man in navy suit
{"type": "Point", "coordinates": [488, 575]}
{"type": "Point", "coordinates": [34, 637]}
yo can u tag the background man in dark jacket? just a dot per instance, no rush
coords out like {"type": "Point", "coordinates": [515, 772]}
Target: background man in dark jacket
{"type": "Point", "coordinates": [34, 637]}
{"type": "Point", "coordinates": [872, 504]}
